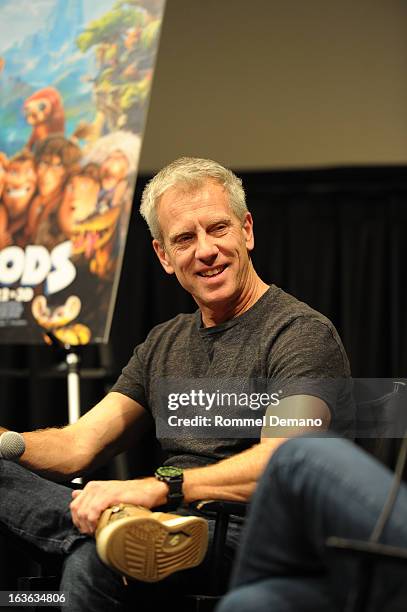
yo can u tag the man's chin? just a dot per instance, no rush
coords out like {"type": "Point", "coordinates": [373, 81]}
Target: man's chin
{"type": "Point", "coordinates": [216, 297]}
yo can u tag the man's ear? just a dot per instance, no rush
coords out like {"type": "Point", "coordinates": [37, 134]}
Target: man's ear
{"type": "Point", "coordinates": [162, 256]}
{"type": "Point", "coordinates": [247, 228]}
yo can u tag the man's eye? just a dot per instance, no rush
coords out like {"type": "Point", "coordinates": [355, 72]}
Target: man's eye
{"type": "Point", "coordinates": [184, 238]}
{"type": "Point", "coordinates": [219, 228]}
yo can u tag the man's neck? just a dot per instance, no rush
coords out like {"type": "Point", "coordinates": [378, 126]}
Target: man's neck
{"type": "Point", "coordinates": [252, 292]}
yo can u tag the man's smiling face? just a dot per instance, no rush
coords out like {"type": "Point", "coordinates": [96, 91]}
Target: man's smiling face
{"type": "Point", "coordinates": [204, 243]}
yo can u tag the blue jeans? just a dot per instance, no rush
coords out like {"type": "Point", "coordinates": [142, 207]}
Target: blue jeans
{"type": "Point", "coordinates": [36, 512]}
{"type": "Point", "coordinates": [313, 488]}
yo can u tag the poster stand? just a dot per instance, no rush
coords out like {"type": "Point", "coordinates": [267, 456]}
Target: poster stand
{"type": "Point", "coordinates": [71, 365]}
{"type": "Point", "coordinates": [72, 361]}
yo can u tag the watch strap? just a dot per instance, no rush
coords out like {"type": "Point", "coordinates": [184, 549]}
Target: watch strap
{"type": "Point", "coordinates": [175, 496]}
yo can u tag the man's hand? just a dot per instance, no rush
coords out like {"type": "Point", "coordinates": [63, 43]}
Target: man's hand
{"type": "Point", "coordinates": [88, 503]}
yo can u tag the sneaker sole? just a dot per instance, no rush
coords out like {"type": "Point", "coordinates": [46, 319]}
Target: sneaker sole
{"type": "Point", "coordinates": [147, 550]}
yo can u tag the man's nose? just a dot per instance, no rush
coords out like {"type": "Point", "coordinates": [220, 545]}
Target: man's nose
{"type": "Point", "coordinates": [206, 248]}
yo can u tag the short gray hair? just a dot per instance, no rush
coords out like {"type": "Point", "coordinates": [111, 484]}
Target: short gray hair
{"type": "Point", "coordinates": [190, 172]}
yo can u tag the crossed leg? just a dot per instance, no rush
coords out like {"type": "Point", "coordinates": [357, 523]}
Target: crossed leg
{"type": "Point", "coordinates": [36, 512]}
{"type": "Point", "coordinates": [313, 488]}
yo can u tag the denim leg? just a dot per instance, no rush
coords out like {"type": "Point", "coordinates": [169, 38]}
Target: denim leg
{"type": "Point", "coordinates": [313, 488]}
{"type": "Point", "coordinates": [92, 586]}
{"type": "Point", "coordinates": [279, 595]}
{"type": "Point", "coordinates": [36, 510]}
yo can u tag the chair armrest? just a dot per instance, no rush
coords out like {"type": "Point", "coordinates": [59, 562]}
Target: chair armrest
{"type": "Point", "coordinates": [366, 550]}
{"type": "Point", "coordinates": [214, 507]}
{"type": "Point", "coordinates": [221, 510]}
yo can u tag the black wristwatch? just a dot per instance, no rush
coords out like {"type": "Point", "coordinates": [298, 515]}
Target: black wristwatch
{"type": "Point", "coordinates": [174, 477]}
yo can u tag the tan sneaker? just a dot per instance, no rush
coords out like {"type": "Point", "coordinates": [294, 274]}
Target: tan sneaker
{"type": "Point", "coordinates": [149, 546]}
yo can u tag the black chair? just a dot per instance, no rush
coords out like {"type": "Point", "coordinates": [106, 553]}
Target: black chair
{"type": "Point", "coordinates": [378, 421]}
{"type": "Point", "coordinates": [374, 418]}
{"type": "Point", "coordinates": [380, 413]}
{"type": "Point", "coordinates": [221, 511]}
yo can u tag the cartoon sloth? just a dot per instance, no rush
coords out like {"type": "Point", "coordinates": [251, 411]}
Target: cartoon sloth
{"type": "Point", "coordinates": [44, 110]}
{"type": "Point", "coordinates": [57, 320]}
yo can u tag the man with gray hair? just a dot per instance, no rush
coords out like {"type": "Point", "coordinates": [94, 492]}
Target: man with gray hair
{"type": "Point", "coordinates": [244, 335]}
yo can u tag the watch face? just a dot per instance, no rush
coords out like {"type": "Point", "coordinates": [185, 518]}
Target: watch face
{"type": "Point", "coordinates": [169, 471]}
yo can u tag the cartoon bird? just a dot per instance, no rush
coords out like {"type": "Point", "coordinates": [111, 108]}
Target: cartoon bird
{"type": "Point", "coordinates": [44, 110]}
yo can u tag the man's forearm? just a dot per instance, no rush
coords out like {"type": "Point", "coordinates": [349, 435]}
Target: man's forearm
{"type": "Point", "coordinates": [234, 478]}
{"type": "Point", "coordinates": [52, 453]}
{"type": "Point", "coordinates": [48, 451]}
{"type": "Point", "coordinates": [110, 427]}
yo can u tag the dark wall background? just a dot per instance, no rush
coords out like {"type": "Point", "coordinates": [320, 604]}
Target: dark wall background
{"type": "Point", "coordinates": [334, 238]}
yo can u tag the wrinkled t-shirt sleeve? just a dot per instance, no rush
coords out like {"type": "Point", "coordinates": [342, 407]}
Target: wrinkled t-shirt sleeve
{"type": "Point", "coordinates": [308, 358]}
{"type": "Point", "coordinates": [131, 382]}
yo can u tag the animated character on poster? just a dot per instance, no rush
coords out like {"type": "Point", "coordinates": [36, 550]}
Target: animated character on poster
{"type": "Point", "coordinates": [58, 320]}
{"type": "Point", "coordinates": [97, 236]}
{"type": "Point", "coordinates": [57, 158]}
{"type": "Point", "coordinates": [79, 201]}
{"type": "Point", "coordinates": [72, 109]}
{"type": "Point", "coordinates": [44, 110]}
{"type": "Point", "coordinates": [19, 185]}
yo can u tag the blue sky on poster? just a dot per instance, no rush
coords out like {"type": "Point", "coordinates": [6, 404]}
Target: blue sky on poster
{"type": "Point", "coordinates": [19, 18]}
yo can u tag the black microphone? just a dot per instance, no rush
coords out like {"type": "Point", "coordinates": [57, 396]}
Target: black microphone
{"type": "Point", "coordinates": [12, 445]}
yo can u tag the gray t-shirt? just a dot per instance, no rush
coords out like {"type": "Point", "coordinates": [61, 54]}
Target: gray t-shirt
{"type": "Point", "coordinates": [279, 339]}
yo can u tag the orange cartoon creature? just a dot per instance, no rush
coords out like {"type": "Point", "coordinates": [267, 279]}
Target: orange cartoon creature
{"type": "Point", "coordinates": [97, 237]}
{"type": "Point", "coordinates": [56, 160]}
{"type": "Point", "coordinates": [44, 110]}
{"type": "Point", "coordinates": [79, 219]}
{"type": "Point", "coordinates": [80, 199]}
{"type": "Point", "coordinates": [93, 238]}
{"type": "Point", "coordinates": [18, 182]}
{"type": "Point", "coordinates": [57, 320]}
{"type": "Point", "coordinates": [90, 232]}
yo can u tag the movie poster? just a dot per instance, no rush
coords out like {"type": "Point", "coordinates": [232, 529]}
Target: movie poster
{"type": "Point", "coordinates": [75, 78]}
